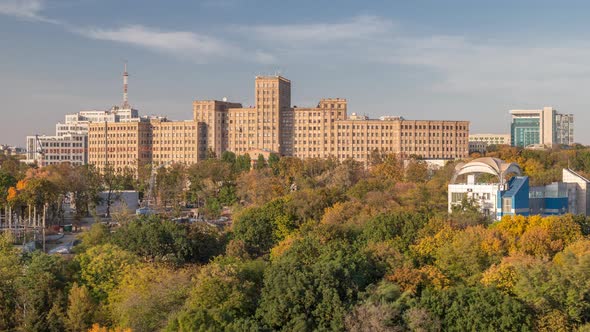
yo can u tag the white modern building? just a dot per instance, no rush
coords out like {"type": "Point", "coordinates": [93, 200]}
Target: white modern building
{"type": "Point", "coordinates": [49, 150]}
{"type": "Point", "coordinates": [542, 127]}
{"type": "Point", "coordinates": [503, 195]}
{"type": "Point", "coordinates": [70, 143]}
{"type": "Point", "coordinates": [495, 197]}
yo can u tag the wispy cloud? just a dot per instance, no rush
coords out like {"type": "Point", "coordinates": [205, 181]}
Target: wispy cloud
{"type": "Point", "coordinates": [179, 43]}
{"type": "Point", "coordinates": [25, 9]}
{"type": "Point", "coordinates": [193, 46]}
{"type": "Point", "coordinates": [360, 27]}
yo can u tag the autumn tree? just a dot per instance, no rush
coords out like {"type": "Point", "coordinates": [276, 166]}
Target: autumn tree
{"type": "Point", "coordinates": [80, 310]}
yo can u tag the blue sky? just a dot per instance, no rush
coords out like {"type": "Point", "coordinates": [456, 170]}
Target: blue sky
{"type": "Point", "coordinates": [456, 60]}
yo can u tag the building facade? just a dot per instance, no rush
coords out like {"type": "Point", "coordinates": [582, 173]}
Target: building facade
{"type": "Point", "coordinates": [215, 114]}
{"type": "Point", "coordinates": [50, 150]}
{"type": "Point", "coordinates": [564, 129]}
{"type": "Point", "coordinates": [323, 131]}
{"type": "Point", "coordinates": [133, 146]}
{"type": "Point", "coordinates": [480, 142]}
{"type": "Point", "coordinates": [544, 127]}
{"type": "Point", "coordinates": [513, 196]}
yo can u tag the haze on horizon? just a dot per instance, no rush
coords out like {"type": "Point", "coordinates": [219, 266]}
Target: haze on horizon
{"type": "Point", "coordinates": [452, 60]}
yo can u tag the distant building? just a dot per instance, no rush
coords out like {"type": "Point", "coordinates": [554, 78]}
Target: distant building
{"type": "Point", "coordinates": [322, 131]}
{"type": "Point", "coordinates": [545, 127]}
{"type": "Point", "coordinates": [564, 129]}
{"type": "Point", "coordinates": [513, 196]}
{"type": "Point", "coordinates": [50, 150]}
{"type": "Point", "coordinates": [480, 142]}
{"type": "Point", "coordinates": [8, 150]}
{"type": "Point", "coordinates": [70, 143]}
{"type": "Point", "coordinates": [134, 145]}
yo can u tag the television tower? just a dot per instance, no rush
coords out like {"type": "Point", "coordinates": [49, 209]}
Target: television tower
{"type": "Point", "coordinates": [125, 77]}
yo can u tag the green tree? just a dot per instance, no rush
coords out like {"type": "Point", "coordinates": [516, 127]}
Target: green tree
{"type": "Point", "coordinates": [260, 228]}
{"type": "Point", "coordinates": [102, 268]}
{"type": "Point", "coordinates": [260, 162]}
{"type": "Point", "coordinates": [10, 268]}
{"type": "Point", "coordinates": [313, 285]}
{"type": "Point", "coordinates": [477, 308]}
{"type": "Point", "coordinates": [225, 294]}
{"type": "Point", "coordinates": [81, 306]}
{"type": "Point", "coordinates": [401, 228]}
{"type": "Point", "coordinates": [41, 292]}
{"type": "Point", "coordinates": [147, 295]}
{"type": "Point", "coordinates": [166, 241]}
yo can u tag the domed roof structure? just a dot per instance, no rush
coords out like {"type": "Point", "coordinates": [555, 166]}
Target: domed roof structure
{"type": "Point", "coordinates": [488, 165]}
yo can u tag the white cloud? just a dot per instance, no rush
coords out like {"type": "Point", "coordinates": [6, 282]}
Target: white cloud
{"type": "Point", "coordinates": [180, 43]}
{"type": "Point", "coordinates": [360, 27]}
{"type": "Point", "coordinates": [26, 9]}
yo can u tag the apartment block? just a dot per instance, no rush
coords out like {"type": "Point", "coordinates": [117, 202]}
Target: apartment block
{"type": "Point", "coordinates": [50, 150]}
{"type": "Point", "coordinates": [315, 129]}
{"type": "Point", "coordinates": [214, 114]}
{"type": "Point", "coordinates": [427, 139]}
{"type": "Point", "coordinates": [176, 142]}
{"type": "Point", "coordinates": [133, 145]}
{"type": "Point", "coordinates": [122, 145]}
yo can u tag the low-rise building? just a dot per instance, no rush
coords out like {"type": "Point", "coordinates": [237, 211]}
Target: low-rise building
{"type": "Point", "coordinates": [504, 195]}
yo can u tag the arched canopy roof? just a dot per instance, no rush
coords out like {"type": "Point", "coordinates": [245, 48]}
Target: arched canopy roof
{"type": "Point", "coordinates": [488, 165]}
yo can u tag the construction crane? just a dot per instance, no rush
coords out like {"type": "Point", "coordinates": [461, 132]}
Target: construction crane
{"type": "Point", "coordinates": [40, 151]}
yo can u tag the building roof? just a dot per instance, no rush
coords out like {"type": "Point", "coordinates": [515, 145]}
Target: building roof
{"type": "Point", "coordinates": [488, 165]}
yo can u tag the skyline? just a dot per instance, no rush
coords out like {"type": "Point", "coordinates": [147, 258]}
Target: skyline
{"type": "Point", "coordinates": [385, 59]}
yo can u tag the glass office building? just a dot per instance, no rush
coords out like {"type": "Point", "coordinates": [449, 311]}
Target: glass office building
{"type": "Point", "coordinates": [544, 127]}
{"type": "Point", "coordinates": [525, 131]}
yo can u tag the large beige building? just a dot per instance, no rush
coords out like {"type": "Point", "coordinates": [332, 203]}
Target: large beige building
{"type": "Point", "coordinates": [272, 126]}
{"type": "Point", "coordinates": [121, 145]}
{"type": "Point", "coordinates": [133, 145]}
{"type": "Point", "coordinates": [325, 130]}
{"type": "Point", "coordinates": [215, 114]}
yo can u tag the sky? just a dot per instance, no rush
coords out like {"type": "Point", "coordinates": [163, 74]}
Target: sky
{"type": "Point", "coordinates": [438, 60]}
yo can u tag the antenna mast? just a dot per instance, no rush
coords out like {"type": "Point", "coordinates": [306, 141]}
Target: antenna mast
{"type": "Point", "coordinates": [125, 77]}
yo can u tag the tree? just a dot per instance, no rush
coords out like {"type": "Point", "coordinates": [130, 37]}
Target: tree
{"type": "Point", "coordinates": [260, 228]}
{"type": "Point", "coordinates": [260, 162]}
{"type": "Point", "coordinates": [10, 269]}
{"type": "Point", "coordinates": [416, 171]}
{"type": "Point", "coordinates": [273, 163]}
{"type": "Point", "coordinates": [469, 252]}
{"type": "Point", "coordinates": [147, 295]}
{"type": "Point", "coordinates": [159, 240]}
{"type": "Point", "coordinates": [80, 313]}
{"type": "Point", "coordinates": [170, 185]}
{"type": "Point", "coordinates": [389, 168]}
{"type": "Point", "coordinates": [477, 309]}
{"type": "Point", "coordinates": [103, 267]}
{"type": "Point", "coordinates": [114, 181]}
{"type": "Point", "coordinates": [400, 228]}
{"type": "Point", "coordinates": [313, 285]}
{"type": "Point", "coordinates": [41, 292]}
{"type": "Point", "coordinates": [225, 294]}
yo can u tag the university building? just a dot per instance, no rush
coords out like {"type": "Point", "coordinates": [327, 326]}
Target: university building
{"type": "Point", "coordinates": [322, 131]}
{"type": "Point", "coordinates": [272, 125]}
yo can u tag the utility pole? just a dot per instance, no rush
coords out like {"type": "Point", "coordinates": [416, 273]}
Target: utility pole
{"type": "Point", "coordinates": [44, 215]}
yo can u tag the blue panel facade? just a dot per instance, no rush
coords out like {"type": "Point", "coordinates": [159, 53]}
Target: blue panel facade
{"type": "Point", "coordinates": [520, 202]}
{"type": "Point", "coordinates": [555, 206]}
{"type": "Point", "coordinates": [515, 200]}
